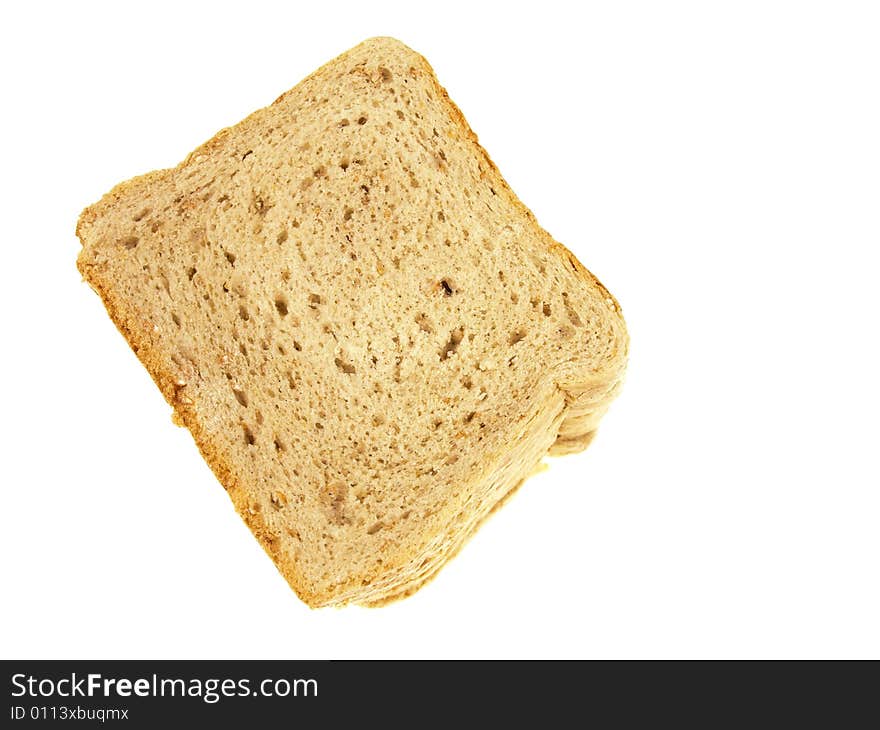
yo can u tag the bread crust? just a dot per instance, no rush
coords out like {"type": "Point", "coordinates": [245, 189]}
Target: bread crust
{"type": "Point", "coordinates": [581, 401]}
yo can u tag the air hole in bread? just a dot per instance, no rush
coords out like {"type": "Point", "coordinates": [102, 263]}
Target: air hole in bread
{"type": "Point", "coordinates": [240, 396]}
{"type": "Point", "coordinates": [262, 205]}
{"type": "Point", "coordinates": [455, 338]}
{"type": "Point", "coordinates": [175, 319]}
{"type": "Point", "coordinates": [230, 257]}
{"type": "Point", "coordinates": [315, 300]}
{"type": "Point", "coordinates": [243, 313]}
{"type": "Point", "coordinates": [345, 367]}
{"type": "Point", "coordinates": [362, 121]}
{"type": "Point", "coordinates": [281, 237]}
{"type": "Point", "coordinates": [375, 527]}
{"type": "Point", "coordinates": [573, 316]}
{"type": "Point", "coordinates": [446, 287]}
{"type": "Point", "coordinates": [518, 335]}
{"type": "Point", "coordinates": [281, 305]}
{"type": "Point", "coordinates": [130, 242]}
{"type": "Point", "coordinates": [248, 436]}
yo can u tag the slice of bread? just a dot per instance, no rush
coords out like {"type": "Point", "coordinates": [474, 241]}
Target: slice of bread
{"type": "Point", "coordinates": [370, 338]}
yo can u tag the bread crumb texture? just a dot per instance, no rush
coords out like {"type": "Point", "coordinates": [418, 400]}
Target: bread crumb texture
{"type": "Point", "coordinates": [370, 338]}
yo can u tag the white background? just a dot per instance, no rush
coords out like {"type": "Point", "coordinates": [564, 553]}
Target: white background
{"type": "Point", "coordinates": [717, 165]}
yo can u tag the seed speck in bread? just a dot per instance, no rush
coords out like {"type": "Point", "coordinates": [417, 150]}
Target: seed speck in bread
{"type": "Point", "coordinates": [371, 339]}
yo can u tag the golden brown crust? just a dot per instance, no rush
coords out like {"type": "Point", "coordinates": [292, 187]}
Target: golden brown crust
{"type": "Point", "coordinates": [411, 588]}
